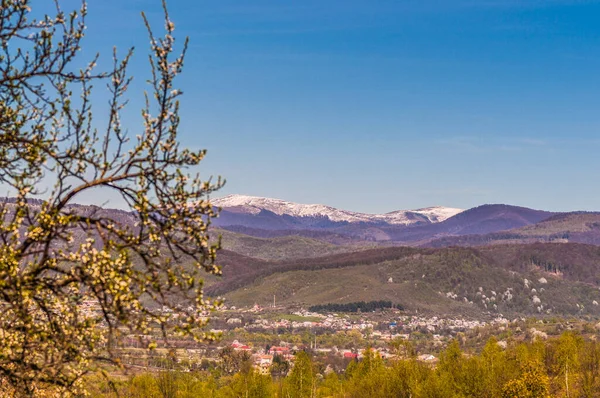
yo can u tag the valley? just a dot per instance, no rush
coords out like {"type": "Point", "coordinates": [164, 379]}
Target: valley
{"type": "Point", "coordinates": [302, 283]}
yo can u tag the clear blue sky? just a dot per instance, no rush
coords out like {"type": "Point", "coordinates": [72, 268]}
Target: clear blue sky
{"type": "Point", "coordinates": [381, 105]}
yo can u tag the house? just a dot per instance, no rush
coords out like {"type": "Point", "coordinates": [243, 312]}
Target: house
{"type": "Point", "coordinates": [283, 351]}
{"type": "Point", "coordinates": [263, 363]}
{"type": "Point", "coordinates": [237, 346]}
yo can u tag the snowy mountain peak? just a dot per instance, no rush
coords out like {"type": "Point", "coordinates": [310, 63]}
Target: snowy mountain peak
{"type": "Point", "coordinates": [254, 205]}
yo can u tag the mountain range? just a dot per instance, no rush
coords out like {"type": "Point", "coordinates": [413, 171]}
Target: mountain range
{"type": "Point", "coordinates": [489, 260]}
{"type": "Point", "coordinates": [485, 261]}
{"type": "Point", "coordinates": [235, 207]}
{"type": "Point", "coordinates": [264, 217]}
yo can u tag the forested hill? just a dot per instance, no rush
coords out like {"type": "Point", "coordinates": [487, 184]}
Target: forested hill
{"type": "Point", "coordinates": [539, 278]}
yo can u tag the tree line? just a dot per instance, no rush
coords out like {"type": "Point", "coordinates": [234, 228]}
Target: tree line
{"type": "Point", "coordinates": [359, 306]}
{"type": "Point", "coordinates": [567, 366]}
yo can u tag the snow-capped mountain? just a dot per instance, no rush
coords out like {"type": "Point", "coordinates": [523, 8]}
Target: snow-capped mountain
{"type": "Point", "coordinates": [252, 205]}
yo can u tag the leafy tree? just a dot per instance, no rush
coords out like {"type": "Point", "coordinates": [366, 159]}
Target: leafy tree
{"type": "Point", "coordinates": [138, 269]}
{"type": "Point", "coordinates": [353, 307]}
{"type": "Point", "coordinates": [331, 386]}
{"type": "Point", "coordinates": [590, 370]}
{"type": "Point", "coordinates": [496, 370]}
{"type": "Point", "coordinates": [144, 385]}
{"type": "Point", "coordinates": [301, 381]}
{"type": "Point", "coordinates": [252, 384]}
{"type": "Point", "coordinates": [452, 361]}
{"type": "Point", "coordinates": [403, 348]}
{"type": "Point", "coordinates": [167, 384]}
{"type": "Point", "coordinates": [515, 389]}
{"type": "Point", "coordinates": [406, 376]}
{"type": "Point", "coordinates": [280, 366]}
{"type": "Point", "coordinates": [568, 358]}
{"type": "Point", "coordinates": [533, 383]}
{"type": "Point", "coordinates": [368, 377]}
{"type": "Point", "coordinates": [234, 361]}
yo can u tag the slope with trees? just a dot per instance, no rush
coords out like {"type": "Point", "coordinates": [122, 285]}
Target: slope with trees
{"type": "Point", "coordinates": [541, 278]}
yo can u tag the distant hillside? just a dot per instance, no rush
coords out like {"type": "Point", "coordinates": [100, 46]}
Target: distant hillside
{"type": "Point", "coordinates": [510, 279]}
{"type": "Point", "coordinates": [234, 264]}
{"type": "Point", "coordinates": [279, 248]}
{"type": "Point", "coordinates": [336, 238]}
{"type": "Point", "coordinates": [373, 256]}
{"type": "Point", "coordinates": [566, 261]}
{"type": "Point", "coordinates": [489, 218]}
{"type": "Point", "coordinates": [479, 220]}
{"type": "Point", "coordinates": [577, 227]}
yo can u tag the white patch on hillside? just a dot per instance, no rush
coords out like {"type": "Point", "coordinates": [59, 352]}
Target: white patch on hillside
{"type": "Point", "coordinates": [254, 205]}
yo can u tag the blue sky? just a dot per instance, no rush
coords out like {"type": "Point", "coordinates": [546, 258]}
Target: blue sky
{"type": "Point", "coordinates": [381, 105]}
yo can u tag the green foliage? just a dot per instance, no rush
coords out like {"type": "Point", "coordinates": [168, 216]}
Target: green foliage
{"type": "Point", "coordinates": [167, 384]}
{"type": "Point", "coordinates": [522, 370]}
{"type": "Point", "coordinates": [251, 384]}
{"type": "Point", "coordinates": [301, 382]}
{"type": "Point", "coordinates": [533, 383]}
{"type": "Point", "coordinates": [354, 307]}
{"type": "Point", "coordinates": [280, 367]}
{"type": "Point", "coordinates": [232, 362]}
{"type": "Point", "coordinates": [367, 378]}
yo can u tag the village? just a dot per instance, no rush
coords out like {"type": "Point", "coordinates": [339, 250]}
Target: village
{"type": "Point", "coordinates": [342, 335]}
{"type": "Point", "coordinates": [269, 338]}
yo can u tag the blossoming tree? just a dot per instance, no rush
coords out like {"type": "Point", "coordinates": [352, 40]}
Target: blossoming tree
{"type": "Point", "coordinates": [135, 273]}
